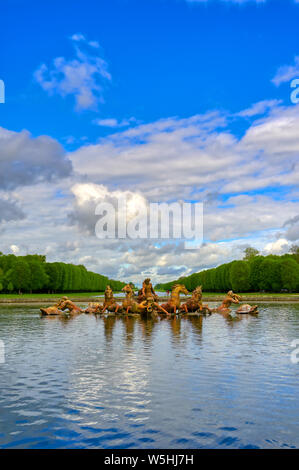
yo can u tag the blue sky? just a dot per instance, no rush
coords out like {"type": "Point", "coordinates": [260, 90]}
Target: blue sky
{"type": "Point", "coordinates": [102, 80]}
{"type": "Point", "coordinates": [166, 58]}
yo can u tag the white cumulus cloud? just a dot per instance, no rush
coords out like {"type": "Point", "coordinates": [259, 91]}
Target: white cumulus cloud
{"type": "Point", "coordinates": [82, 76]}
{"type": "Point", "coordinates": [278, 247]}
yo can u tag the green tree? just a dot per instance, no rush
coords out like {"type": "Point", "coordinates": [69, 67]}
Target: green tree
{"type": "Point", "coordinates": [10, 287]}
{"type": "Point", "coordinates": [39, 279]}
{"type": "Point", "coordinates": [20, 276]}
{"type": "Point", "coordinates": [270, 274]}
{"type": "Point", "coordinates": [52, 271]}
{"type": "Point", "coordinates": [250, 253]}
{"type": "Point", "coordinates": [290, 275]}
{"type": "Point", "coordinates": [1, 279]}
{"type": "Point", "coordinates": [255, 272]}
{"type": "Point", "coordinates": [294, 250]}
{"type": "Point", "coordinates": [239, 276]}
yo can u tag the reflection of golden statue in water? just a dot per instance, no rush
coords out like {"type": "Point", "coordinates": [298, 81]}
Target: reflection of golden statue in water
{"type": "Point", "coordinates": [147, 326]}
{"type": "Point", "coordinates": [196, 322]}
{"type": "Point", "coordinates": [130, 327]}
{"type": "Point", "coordinates": [109, 324]}
{"type": "Point", "coordinates": [175, 325]}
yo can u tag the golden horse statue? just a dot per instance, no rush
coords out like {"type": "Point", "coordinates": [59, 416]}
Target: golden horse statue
{"type": "Point", "coordinates": [174, 302]}
{"type": "Point", "coordinates": [195, 303]}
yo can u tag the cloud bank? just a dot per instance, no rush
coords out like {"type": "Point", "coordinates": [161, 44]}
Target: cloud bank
{"type": "Point", "coordinates": [48, 197]}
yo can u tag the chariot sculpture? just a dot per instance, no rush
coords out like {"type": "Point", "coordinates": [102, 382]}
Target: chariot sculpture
{"type": "Point", "coordinates": [147, 303]}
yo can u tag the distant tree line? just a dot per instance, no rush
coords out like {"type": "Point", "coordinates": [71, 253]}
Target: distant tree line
{"type": "Point", "coordinates": [32, 273]}
{"type": "Point", "coordinates": [255, 273]}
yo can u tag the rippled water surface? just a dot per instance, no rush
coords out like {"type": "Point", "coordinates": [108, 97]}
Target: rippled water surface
{"type": "Point", "coordinates": [129, 383]}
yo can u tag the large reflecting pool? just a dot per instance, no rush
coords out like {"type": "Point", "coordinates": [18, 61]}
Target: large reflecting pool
{"type": "Point", "coordinates": [112, 382]}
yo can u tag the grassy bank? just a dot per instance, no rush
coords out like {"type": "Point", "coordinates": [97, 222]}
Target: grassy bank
{"type": "Point", "coordinates": [94, 296]}
{"type": "Point", "coordinates": [252, 297]}
{"type": "Point", "coordinates": [48, 296]}
{"type": "Point", "coordinates": [51, 298]}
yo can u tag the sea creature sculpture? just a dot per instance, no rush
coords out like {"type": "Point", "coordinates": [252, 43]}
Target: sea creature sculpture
{"type": "Point", "coordinates": [51, 311]}
{"type": "Point", "coordinates": [63, 304]}
{"type": "Point", "coordinates": [246, 308]}
{"type": "Point", "coordinates": [227, 301]}
{"type": "Point", "coordinates": [93, 308]}
{"type": "Point", "coordinates": [66, 304]}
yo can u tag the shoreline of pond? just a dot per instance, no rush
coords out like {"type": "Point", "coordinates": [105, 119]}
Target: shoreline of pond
{"type": "Point", "coordinates": [208, 298]}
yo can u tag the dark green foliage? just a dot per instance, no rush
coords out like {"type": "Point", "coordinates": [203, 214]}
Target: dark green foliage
{"type": "Point", "coordinates": [239, 276]}
{"type": "Point", "coordinates": [116, 285]}
{"type": "Point", "coordinates": [270, 275]}
{"type": "Point", "coordinates": [10, 287]}
{"type": "Point", "coordinates": [290, 274]}
{"type": "Point", "coordinates": [32, 273]}
{"type": "Point", "coordinates": [1, 279]}
{"type": "Point", "coordinates": [39, 278]}
{"type": "Point", "coordinates": [256, 273]}
{"type": "Point", "coordinates": [20, 275]}
{"type": "Point", "coordinates": [295, 252]}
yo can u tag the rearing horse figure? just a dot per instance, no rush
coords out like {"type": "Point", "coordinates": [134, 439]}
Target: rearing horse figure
{"type": "Point", "coordinates": [174, 302]}
{"type": "Point", "coordinates": [195, 303]}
